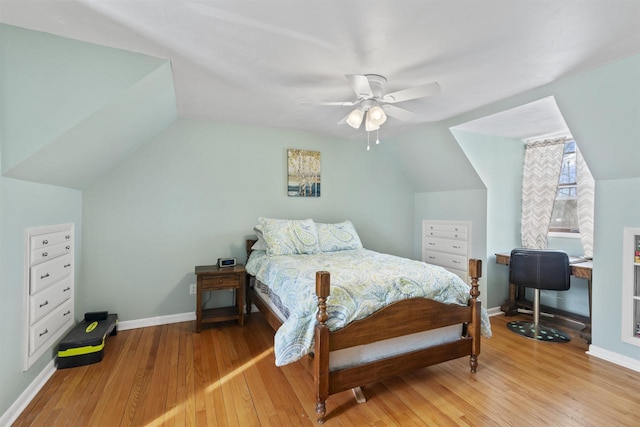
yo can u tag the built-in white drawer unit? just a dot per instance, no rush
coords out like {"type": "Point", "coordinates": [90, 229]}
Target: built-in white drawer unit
{"type": "Point", "coordinates": [50, 326]}
{"type": "Point", "coordinates": [46, 301]}
{"type": "Point", "coordinates": [447, 244]}
{"type": "Point", "coordinates": [43, 275]}
{"type": "Point", "coordinates": [48, 288]}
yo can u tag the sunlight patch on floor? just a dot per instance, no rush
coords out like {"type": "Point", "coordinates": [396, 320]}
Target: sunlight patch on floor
{"type": "Point", "coordinates": [160, 420]}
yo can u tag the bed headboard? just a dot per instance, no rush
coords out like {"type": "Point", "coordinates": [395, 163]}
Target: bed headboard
{"type": "Point", "coordinates": [249, 243]}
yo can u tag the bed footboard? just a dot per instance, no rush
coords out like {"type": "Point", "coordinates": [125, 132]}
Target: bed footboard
{"type": "Point", "coordinates": [407, 317]}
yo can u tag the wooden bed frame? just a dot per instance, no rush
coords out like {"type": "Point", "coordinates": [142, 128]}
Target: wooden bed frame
{"type": "Point", "coordinates": [398, 319]}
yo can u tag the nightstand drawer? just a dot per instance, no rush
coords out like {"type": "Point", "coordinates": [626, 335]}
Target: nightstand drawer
{"type": "Point", "coordinates": [220, 282]}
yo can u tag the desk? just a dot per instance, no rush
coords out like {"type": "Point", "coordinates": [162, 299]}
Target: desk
{"type": "Point", "coordinates": [582, 270]}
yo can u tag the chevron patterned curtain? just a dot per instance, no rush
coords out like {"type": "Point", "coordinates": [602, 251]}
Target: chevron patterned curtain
{"type": "Point", "coordinates": [542, 165]}
{"type": "Point", "coordinates": [586, 192]}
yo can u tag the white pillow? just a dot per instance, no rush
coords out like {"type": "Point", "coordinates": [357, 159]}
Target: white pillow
{"type": "Point", "coordinates": [338, 237]}
{"type": "Point", "coordinates": [289, 237]}
{"type": "Point", "coordinates": [260, 244]}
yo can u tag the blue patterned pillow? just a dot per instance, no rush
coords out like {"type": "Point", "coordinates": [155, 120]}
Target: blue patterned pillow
{"type": "Point", "coordinates": [289, 236]}
{"type": "Point", "coordinates": [338, 237]}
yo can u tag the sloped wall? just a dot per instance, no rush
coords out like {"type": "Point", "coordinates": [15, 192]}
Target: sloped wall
{"type": "Point", "coordinates": [72, 109]}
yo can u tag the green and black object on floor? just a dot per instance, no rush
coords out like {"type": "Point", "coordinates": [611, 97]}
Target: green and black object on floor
{"type": "Point", "coordinates": [84, 344]}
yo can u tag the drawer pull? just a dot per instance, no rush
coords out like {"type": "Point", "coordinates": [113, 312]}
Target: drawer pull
{"type": "Point", "coordinates": [45, 242]}
{"type": "Point", "coordinates": [456, 262]}
{"type": "Point", "coordinates": [432, 244]}
{"type": "Point", "coordinates": [456, 247]}
{"type": "Point", "coordinates": [456, 235]}
{"type": "Point", "coordinates": [46, 275]}
{"type": "Point", "coordinates": [68, 288]}
{"type": "Point", "coordinates": [67, 237]}
{"type": "Point", "coordinates": [432, 257]}
{"type": "Point", "coordinates": [45, 254]}
{"type": "Point", "coordinates": [67, 247]}
{"type": "Point", "coordinates": [46, 331]}
{"type": "Point", "coordinates": [67, 265]}
{"type": "Point", "coordinates": [67, 313]}
{"type": "Point", "coordinates": [44, 303]}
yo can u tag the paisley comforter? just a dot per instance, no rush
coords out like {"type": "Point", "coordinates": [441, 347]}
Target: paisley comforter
{"type": "Point", "coordinates": [362, 282]}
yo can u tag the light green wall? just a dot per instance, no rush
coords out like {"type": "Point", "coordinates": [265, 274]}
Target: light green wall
{"type": "Point", "coordinates": [24, 204]}
{"type": "Point", "coordinates": [53, 83]}
{"type": "Point", "coordinates": [193, 194]}
{"type": "Point", "coordinates": [498, 161]}
{"type": "Point", "coordinates": [617, 207]}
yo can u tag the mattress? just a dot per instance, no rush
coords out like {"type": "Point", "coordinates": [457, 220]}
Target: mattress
{"type": "Point", "coordinates": [379, 350]}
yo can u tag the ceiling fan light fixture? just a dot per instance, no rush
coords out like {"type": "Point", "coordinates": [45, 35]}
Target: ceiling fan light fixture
{"type": "Point", "coordinates": [355, 118]}
{"type": "Point", "coordinates": [369, 125]}
{"type": "Point", "coordinates": [376, 115]}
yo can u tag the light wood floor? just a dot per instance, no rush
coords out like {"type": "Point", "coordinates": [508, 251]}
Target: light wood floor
{"type": "Point", "coordinates": [171, 376]}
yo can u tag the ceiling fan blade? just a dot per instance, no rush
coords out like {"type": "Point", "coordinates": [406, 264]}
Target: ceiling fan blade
{"type": "Point", "coordinates": [339, 103]}
{"type": "Point", "coordinates": [399, 113]}
{"type": "Point", "coordinates": [360, 85]}
{"type": "Point", "coordinates": [412, 93]}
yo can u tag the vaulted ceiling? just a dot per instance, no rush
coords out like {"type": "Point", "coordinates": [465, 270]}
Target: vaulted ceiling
{"type": "Point", "coordinates": [268, 63]}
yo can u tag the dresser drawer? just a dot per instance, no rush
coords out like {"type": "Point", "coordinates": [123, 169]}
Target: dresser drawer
{"type": "Point", "coordinates": [448, 261]}
{"type": "Point", "coordinates": [454, 228]}
{"type": "Point", "coordinates": [46, 301]}
{"type": "Point", "coordinates": [45, 274]}
{"type": "Point", "coordinates": [457, 247]}
{"type": "Point", "coordinates": [220, 282]}
{"type": "Point", "coordinates": [50, 252]}
{"type": "Point", "coordinates": [46, 328]}
{"type": "Point", "coordinates": [49, 239]}
{"type": "Point", "coordinates": [457, 235]}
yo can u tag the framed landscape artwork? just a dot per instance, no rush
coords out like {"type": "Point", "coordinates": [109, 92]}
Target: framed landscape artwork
{"type": "Point", "coordinates": [303, 173]}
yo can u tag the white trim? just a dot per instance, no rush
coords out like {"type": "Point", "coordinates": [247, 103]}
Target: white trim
{"type": "Point", "coordinates": [28, 394]}
{"type": "Point", "coordinates": [494, 311]}
{"type": "Point", "coordinates": [156, 321]}
{"type": "Point", "coordinates": [563, 234]}
{"type": "Point", "coordinates": [616, 358]}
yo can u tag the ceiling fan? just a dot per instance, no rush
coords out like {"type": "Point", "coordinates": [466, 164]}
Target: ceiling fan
{"type": "Point", "coordinates": [373, 105]}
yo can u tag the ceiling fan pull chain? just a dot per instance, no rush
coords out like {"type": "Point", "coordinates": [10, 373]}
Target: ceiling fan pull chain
{"type": "Point", "coordinates": [377, 136]}
{"type": "Point", "coordinates": [368, 146]}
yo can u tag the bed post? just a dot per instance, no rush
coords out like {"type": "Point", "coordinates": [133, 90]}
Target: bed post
{"type": "Point", "coordinates": [321, 357]}
{"type": "Point", "coordinates": [247, 295]}
{"type": "Point", "coordinates": [475, 272]}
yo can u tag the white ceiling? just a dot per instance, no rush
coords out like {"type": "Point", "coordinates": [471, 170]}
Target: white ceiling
{"type": "Point", "coordinates": [257, 62]}
{"type": "Point", "coordinates": [537, 119]}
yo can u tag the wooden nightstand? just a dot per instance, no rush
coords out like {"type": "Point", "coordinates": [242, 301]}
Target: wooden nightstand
{"type": "Point", "coordinates": [214, 278]}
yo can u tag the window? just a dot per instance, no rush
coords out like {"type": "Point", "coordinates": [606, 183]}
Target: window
{"type": "Point", "coordinates": [564, 218]}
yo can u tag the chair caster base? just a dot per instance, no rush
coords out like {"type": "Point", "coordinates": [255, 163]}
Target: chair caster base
{"type": "Point", "coordinates": [538, 332]}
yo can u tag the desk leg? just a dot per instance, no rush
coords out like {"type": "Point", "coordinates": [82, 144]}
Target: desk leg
{"type": "Point", "coordinates": [510, 307]}
{"type": "Point", "coordinates": [585, 333]}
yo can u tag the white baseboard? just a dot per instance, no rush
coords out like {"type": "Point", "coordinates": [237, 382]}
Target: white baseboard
{"type": "Point", "coordinates": [612, 357]}
{"type": "Point", "coordinates": [27, 396]}
{"type": "Point", "coordinates": [155, 321]}
{"type": "Point", "coordinates": [36, 385]}
{"type": "Point", "coordinates": [494, 311]}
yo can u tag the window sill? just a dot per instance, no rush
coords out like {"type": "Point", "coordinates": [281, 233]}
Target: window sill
{"type": "Point", "coordinates": [563, 235]}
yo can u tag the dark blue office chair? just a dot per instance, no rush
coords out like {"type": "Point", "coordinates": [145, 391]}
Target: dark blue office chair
{"type": "Point", "coordinates": [539, 269]}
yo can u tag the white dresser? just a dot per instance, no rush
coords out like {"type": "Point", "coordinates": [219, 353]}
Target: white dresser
{"type": "Point", "coordinates": [447, 244]}
{"type": "Point", "coordinates": [48, 288]}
